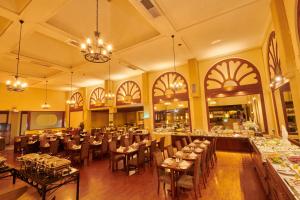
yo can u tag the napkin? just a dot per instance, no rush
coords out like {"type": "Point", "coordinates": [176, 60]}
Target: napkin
{"type": "Point", "coordinates": [198, 150]}
{"type": "Point", "coordinates": [184, 164]}
{"type": "Point", "coordinates": [193, 155]}
{"type": "Point", "coordinates": [284, 134]}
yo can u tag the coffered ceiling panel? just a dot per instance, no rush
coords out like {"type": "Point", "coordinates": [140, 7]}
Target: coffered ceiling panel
{"type": "Point", "coordinates": [235, 31]}
{"type": "Point", "coordinates": [26, 69]}
{"type": "Point", "coordinates": [15, 6]}
{"type": "Point", "coordinates": [157, 54]}
{"type": "Point", "coordinates": [43, 47]}
{"type": "Point", "coordinates": [4, 23]}
{"type": "Point", "coordinates": [120, 23]}
{"type": "Point", "coordinates": [183, 14]}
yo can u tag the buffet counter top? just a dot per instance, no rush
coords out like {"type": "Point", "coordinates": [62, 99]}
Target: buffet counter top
{"type": "Point", "coordinates": [207, 134]}
{"type": "Point", "coordinates": [277, 163]}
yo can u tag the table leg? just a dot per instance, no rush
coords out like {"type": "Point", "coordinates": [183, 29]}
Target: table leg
{"type": "Point", "coordinates": [126, 163]}
{"type": "Point", "coordinates": [14, 177]}
{"type": "Point", "coordinates": [172, 184]}
{"type": "Point", "coordinates": [77, 187]}
{"type": "Point", "coordinates": [44, 194]}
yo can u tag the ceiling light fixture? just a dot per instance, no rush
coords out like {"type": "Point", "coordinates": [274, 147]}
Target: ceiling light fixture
{"type": "Point", "coordinates": [96, 51]}
{"type": "Point", "coordinates": [46, 105]}
{"type": "Point", "coordinates": [175, 85]}
{"type": "Point", "coordinates": [17, 85]}
{"type": "Point", "coordinates": [109, 95]}
{"type": "Point", "coordinates": [70, 101]}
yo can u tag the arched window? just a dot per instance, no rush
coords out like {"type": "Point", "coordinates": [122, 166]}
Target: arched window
{"type": "Point", "coordinates": [273, 57]}
{"type": "Point", "coordinates": [78, 106]}
{"type": "Point", "coordinates": [128, 92]}
{"type": "Point", "coordinates": [97, 98]}
{"type": "Point", "coordinates": [234, 77]}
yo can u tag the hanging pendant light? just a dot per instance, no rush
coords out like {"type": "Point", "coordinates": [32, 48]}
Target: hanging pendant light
{"type": "Point", "coordinates": [175, 85]}
{"type": "Point", "coordinates": [96, 50]}
{"type": "Point", "coordinates": [46, 105]}
{"type": "Point", "coordinates": [109, 95]}
{"type": "Point", "coordinates": [70, 101]}
{"type": "Point", "coordinates": [17, 85]}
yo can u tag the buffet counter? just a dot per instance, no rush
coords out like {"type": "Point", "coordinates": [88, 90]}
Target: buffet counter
{"type": "Point", "coordinates": [225, 141]}
{"type": "Point", "coordinates": [276, 162]}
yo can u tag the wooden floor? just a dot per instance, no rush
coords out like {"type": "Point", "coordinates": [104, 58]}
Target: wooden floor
{"type": "Point", "coordinates": [234, 178]}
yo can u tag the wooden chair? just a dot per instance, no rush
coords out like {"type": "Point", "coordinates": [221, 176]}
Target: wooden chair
{"type": "Point", "coordinates": [189, 139]}
{"type": "Point", "coordinates": [76, 138]}
{"type": "Point", "coordinates": [23, 145]}
{"type": "Point", "coordinates": [83, 155]}
{"type": "Point", "coordinates": [203, 169]}
{"type": "Point", "coordinates": [130, 138]}
{"type": "Point", "coordinates": [161, 144]}
{"type": "Point", "coordinates": [214, 144]}
{"type": "Point", "coordinates": [137, 139]}
{"type": "Point", "coordinates": [139, 161]}
{"type": "Point", "coordinates": [149, 154]}
{"type": "Point", "coordinates": [162, 175]}
{"type": "Point", "coordinates": [17, 144]}
{"type": "Point", "coordinates": [178, 145]}
{"type": "Point", "coordinates": [191, 182]}
{"type": "Point", "coordinates": [170, 151]}
{"type": "Point", "coordinates": [54, 147]}
{"type": "Point", "coordinates": [184, 142]}
{"type": "Point", "coordinates": [115, 158]}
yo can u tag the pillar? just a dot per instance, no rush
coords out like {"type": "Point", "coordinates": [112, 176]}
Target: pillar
{"type": "Point", "coordinates": [148, 124]}
{"type": "Point", "coordinates": [288, 55]}
{"type": "Point", "coordinates": [196, 109]}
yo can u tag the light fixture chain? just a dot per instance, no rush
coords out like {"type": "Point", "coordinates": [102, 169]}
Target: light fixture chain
{"type": "Point", "coordinates": [19, 49]}
{"type": "Point", "coordinates": [97, 17]}
{"type": "Point", "coordinates": [174, 65]}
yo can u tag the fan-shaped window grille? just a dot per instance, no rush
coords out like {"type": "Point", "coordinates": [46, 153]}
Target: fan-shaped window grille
{"type": "Point", "coordinates": [161, 89]}
{"type": "Point", "coordinates": [97, 98]}
{"type": "Point", "coordinates": [78, 106]}
{"type": "Point", "coordinates": [273, 56]}
{"type": "Point", "coordinates": [128, 92]}
{"type": "Point", "coordinates": [232, 76]}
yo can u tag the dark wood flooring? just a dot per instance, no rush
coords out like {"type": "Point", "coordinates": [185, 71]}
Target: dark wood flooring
{"type": "Point", "coordinates": [234, 178]}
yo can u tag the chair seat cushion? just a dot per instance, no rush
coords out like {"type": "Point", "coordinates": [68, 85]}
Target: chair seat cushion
{"type": "Point", "coordinates": [133, 162]}
{"type": "Point", "coordinates": [165, 179]}
{"type": "Point", "coordinates": [118, 157]}
{"type": "Point", "coordinates": [185, 181]}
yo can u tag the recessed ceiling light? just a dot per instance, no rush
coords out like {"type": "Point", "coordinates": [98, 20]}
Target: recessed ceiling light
{"type": "Point", "coordinates": [215, 42]}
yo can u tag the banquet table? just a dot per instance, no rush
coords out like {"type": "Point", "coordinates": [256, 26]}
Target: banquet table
{"type": "Point", "coordinates": [182, 166]}
{"type": "Point", "coordinates": [46, 184]}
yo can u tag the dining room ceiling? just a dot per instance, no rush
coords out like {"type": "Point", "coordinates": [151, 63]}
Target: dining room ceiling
{"type": "Point", "coordinates": [139, 30]}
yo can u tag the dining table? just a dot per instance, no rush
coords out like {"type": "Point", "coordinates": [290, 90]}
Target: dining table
{"type": "Point", "coordinates": [176, 166]}
{"type": "Point", "coordinates": [130, 151]}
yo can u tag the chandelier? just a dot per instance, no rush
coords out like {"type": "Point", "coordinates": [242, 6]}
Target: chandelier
{"type": "Point", "coordinates": [96, 50]}
{"type": "Point", "coordinates": [17, 85]}
{"type": "Point", "coordinates": [70, 101]}
{"type": "Point", "coordinates": [176, 85]}
{"type": "Point", "coordinates": [109, 95]}
{"type": "Point", "coordinates": [46, 105]}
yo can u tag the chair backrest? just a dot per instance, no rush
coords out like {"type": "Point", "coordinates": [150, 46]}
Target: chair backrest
{"type": "Point", "coordinates": [24, 141]}
{"type": "Point", "coordinates": [141, 154]}
{"type": "Point", "coordinates": [130, 138]}
{"type": "Point", "coordinates": [54, 147]}
{"type": "Point", "coordinates": [112, 146]}
{"type": "Point", "coordinates": [84, 153]}
{"type": "Point", "coordinates": [123, 140]}
{"type": "Point", "coordinates": [189, 139]}
{"type": "Point", "coordinates": [184, 142]}
{"type": "Point", "coordinates": [170, 151]}
{"type": "Point", "coordinates": [196, 170]}
{"type": "Point", "coordinates": [178, 145]}
{"type": "Point", "coordinates": [152, 147]}
{"type": "Point", "coordinates": [158, 158]}
{"type": "Point", "coordinates": [161, 144]}
{"type": "Point", "coordinates": [203, 160]}
{"type": "Point", "coordinates": [214, 144]}
{"type": "Point", "coordinates": [77, 139]}
{"type": "Point", "coordinates": [137, 139]}
{"type": "Point", "coordinates": [104, 146]}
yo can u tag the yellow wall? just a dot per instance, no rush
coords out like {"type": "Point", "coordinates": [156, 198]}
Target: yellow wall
{"type": "Point", "coordinates": [31, 99]}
